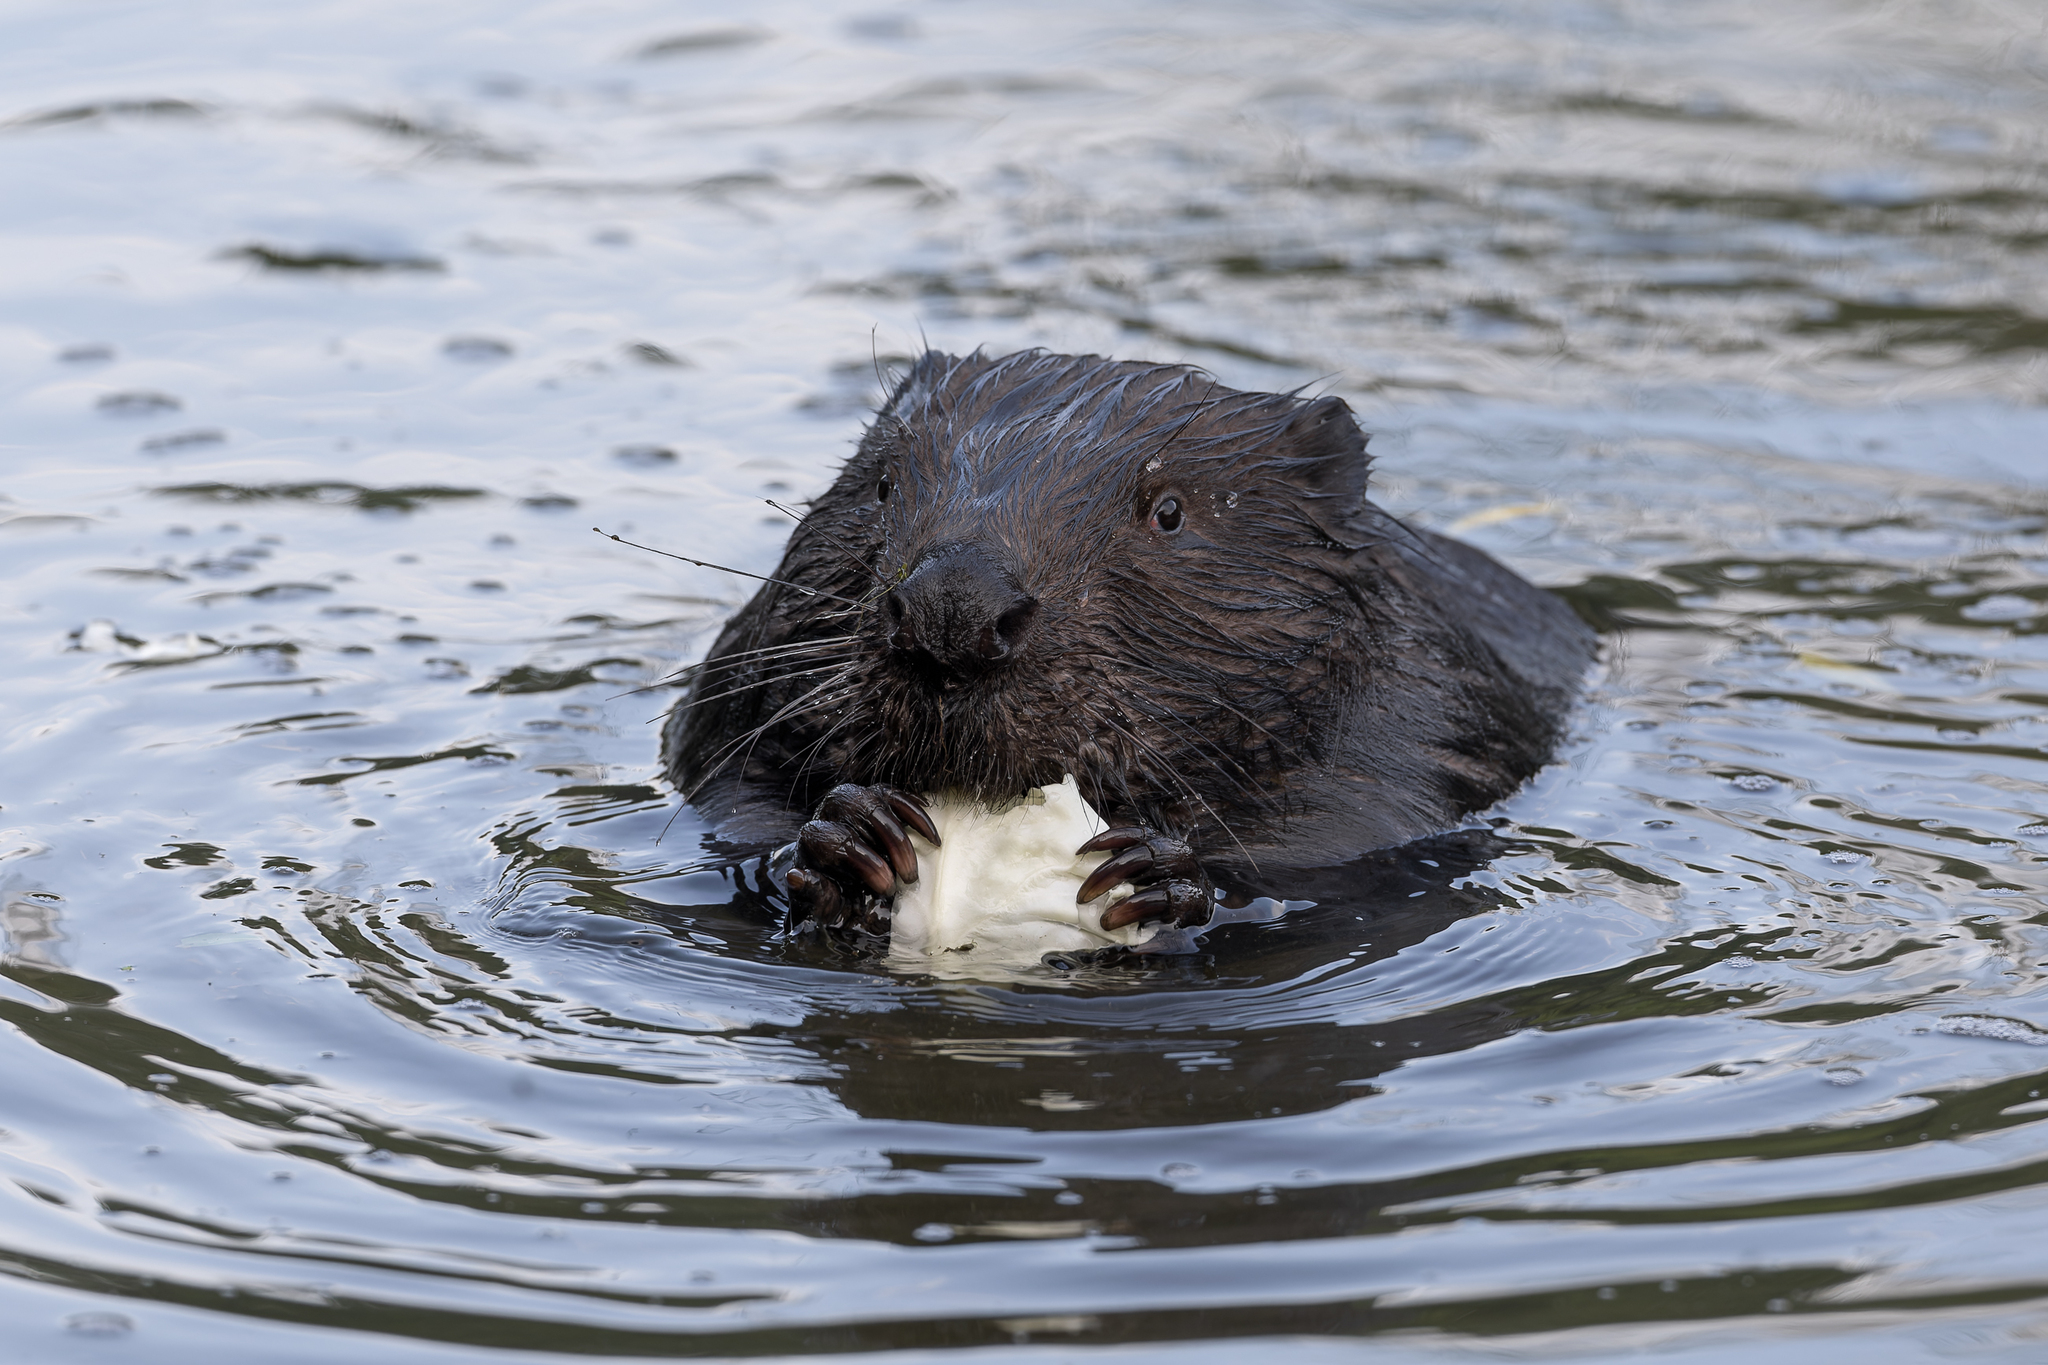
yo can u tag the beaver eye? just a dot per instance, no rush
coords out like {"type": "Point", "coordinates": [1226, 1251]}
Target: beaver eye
{"type": "Point", "coordinates": [882, 490]}
{"type": "Point", "coordinates": [1166, 517]}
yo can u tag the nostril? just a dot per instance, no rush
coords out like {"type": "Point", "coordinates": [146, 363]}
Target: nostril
{"type": "Point", "coordinates": [1006, 632]}
{"type": "Point", "coordinates": [1012, 624]}
{"type": "Point", "coordinates": [902, 634]}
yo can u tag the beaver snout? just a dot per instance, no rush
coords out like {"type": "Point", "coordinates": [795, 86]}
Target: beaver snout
{"type": "Point", "coordinates": [960, 610]}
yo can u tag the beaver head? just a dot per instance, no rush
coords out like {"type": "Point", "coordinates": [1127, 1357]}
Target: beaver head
{"type": "Point", "coordinates": [1127, 572]}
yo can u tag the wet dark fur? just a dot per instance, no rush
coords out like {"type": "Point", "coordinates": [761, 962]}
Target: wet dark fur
{"type": "Point", "coordinates": [1294, 678]}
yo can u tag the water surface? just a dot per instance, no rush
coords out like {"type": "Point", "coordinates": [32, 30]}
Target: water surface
{"type": "Point", "coordinates": [365, 990]}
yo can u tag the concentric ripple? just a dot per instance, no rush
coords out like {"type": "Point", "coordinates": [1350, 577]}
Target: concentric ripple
{"type": "Point", "coordinates": [366, 990]}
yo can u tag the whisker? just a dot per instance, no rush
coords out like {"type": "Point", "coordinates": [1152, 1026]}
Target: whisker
{"type": "Point", "coordinates": [1182, 783]}
{"type": "Point", "coordinates": [689, 702]}
{"type": "Point", "coordinates": [1223, 760]}
{"type": "Point", "coordinates": [725, 660]}
{"type": "Point", "coordinates": [727, 663]}
{"type": "Point", "coordinates": [829, 539]}
{"type": "Point", "coordinates": [707, 564]}
{"type": "Point", "coordinates": [752, 736]}
{"type": "Point", "coordinates": [814, 706]}
{"type": "Point", "coordinates": [803, 755]}
{"type": "Point", "coordinates": [724, 664]}
{"type": "Point", "coordinates": [1201, 742]}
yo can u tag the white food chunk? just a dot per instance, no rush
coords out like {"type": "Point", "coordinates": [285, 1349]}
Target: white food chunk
{"type": "Point", "coordinates": [1000, 887]}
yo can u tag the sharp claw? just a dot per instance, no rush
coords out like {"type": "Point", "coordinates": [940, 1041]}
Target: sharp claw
{"type": "Point", "coordinates": [912, 812]}
{"type": "Point", "coordinates": [880, 877]}
{"type": "Point", "coordinates": [1153, 900]}
{"type": "Point", "coordinates": [902, 857]}
{"type": "Point", "coordinates": [1117, 869]}
{"type": "Point", "coordinates": [1112, 839]}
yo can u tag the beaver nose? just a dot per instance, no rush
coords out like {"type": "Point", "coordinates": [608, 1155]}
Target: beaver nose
{"type": "Point", "coordinates": [961, 610]}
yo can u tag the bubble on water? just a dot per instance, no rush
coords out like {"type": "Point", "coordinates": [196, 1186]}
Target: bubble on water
{"type": "Point", "coordinates": [184, 440]}
{"type": "Point", "coordinates": [644, 456]}
{"type": "Point", "coordinates": [1841, 1075]}
{"type": "Point", "coordinates": [702, 40]}
{"type": "Point", "coordinates": [476, 350]}
{"type": "Point", "coordinates": [1843, 856]}
{"type": "Point", "coordinates": [137, 403]}
{"type": "Point", "coordinates": [648, 353]}
{"type": "Point", "coordinates": [1992, 1026]}
{"type": "Point", "coordinates": [2037, 828]}
{"type": "Point", "coordinates": [1754, 782]}
{"type": "Point", "coordinates": [331, 260]}
{"type": "Point", "coordinates": [99, 1324]}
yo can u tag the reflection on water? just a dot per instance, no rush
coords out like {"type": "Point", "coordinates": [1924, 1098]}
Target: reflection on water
{"type": "Point", "coordinates": [361, 976]}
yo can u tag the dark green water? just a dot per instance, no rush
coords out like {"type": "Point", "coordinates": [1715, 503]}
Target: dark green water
{"type": "Point", "coordinates": [359, 997]}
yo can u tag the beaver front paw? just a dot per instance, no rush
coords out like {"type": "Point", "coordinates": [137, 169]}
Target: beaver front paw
{"type": "Point", "coordinates": [852, 855]}
{"type": "Point", "coordinates": [1171, 884]}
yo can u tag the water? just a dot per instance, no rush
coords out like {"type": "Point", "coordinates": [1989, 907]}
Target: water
{"type": "Point", "coordinates": [360, 992]}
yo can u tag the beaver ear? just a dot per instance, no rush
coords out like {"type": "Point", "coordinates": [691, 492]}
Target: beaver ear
{"type": "Point", "coordinates": [915, 388]}
{"type": "Point", "coordinates": [1328, 451]}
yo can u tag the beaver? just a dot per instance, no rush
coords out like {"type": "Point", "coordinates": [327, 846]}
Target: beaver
{"type": "Point", "coordinates": [1036, 565]}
